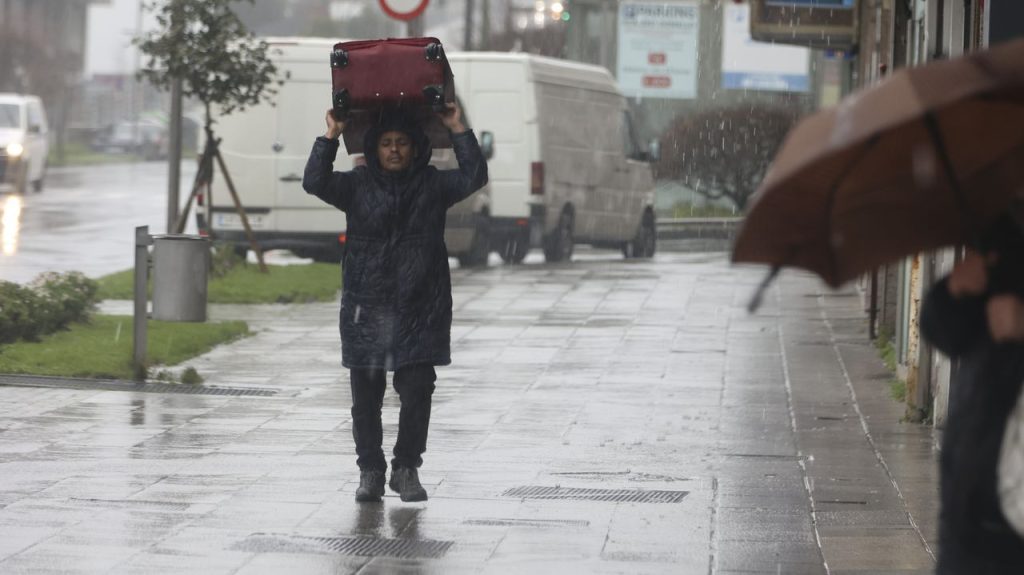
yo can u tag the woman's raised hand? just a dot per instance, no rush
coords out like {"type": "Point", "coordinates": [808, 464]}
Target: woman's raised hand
{"type": "Point", "coordinates": [334, 127]}
{"type": "Point", "coordinates": [451, 117]}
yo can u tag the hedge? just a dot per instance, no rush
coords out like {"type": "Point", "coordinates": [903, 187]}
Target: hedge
{"type": "Point", "coordinates": [49, 303]}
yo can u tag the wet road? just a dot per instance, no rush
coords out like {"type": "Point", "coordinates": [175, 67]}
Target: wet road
{"type": "Point", "coordinates": [600, 417]}
{"type": "Point", "coordinates": [84, 219]}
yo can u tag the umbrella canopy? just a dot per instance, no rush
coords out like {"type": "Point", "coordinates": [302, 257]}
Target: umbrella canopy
{"type": "Point", "coordinates": [925, 159]}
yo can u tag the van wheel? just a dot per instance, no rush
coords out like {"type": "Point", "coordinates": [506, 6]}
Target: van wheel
{"type": "Point", "coordinates": [480, 248]}
{"type": "Point", "coordinates": [645, 242]}
{"type": "Point", "coordinates": [515, 249]}
{"type": "Point", "coordinates": [559, 245]}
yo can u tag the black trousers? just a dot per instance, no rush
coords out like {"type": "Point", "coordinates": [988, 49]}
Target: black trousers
{"type": "Point", "coordinates": [415, 386]}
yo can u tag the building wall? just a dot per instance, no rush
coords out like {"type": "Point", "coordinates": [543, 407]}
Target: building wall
{"type": "Point", "coordinates": [42, 51]}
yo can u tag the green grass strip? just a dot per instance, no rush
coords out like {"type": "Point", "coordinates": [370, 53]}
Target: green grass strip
{"type": "Point", "coordinates": [246, 284]}
{"type": "Point", "coordinates": [103, 347]}
{"type": "Point", "coordinates": [689, 210]}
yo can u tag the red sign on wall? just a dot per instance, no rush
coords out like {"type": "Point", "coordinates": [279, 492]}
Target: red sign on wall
{"type": "Point", "coordinates": [657, 82]}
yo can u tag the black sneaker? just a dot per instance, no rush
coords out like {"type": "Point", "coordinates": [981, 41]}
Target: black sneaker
{"type": "Point", "coordinates": [406, 482]}
{"type": "Point", "coordinates": [371, 485]}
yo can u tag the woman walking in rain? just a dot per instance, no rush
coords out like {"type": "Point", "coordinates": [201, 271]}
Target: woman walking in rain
{"type": "Point", "coordinates": [396, 304]}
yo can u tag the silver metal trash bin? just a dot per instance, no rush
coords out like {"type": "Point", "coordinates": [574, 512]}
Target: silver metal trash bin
{"type": "Point", "coordinates": [181, 264]}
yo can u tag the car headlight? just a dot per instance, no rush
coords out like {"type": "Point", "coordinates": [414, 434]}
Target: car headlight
{"type": "Point", "coordinates": [15, 149]}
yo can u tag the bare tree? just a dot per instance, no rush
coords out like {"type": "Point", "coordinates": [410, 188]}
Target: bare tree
{"type": "Point", "coordinates": [724, 152]}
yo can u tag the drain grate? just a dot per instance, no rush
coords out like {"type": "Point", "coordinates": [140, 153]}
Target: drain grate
{"type": "Point", "coordinates": [354, 546]}
{"type": "Point", "coordinates": [118, 385]}
{"type": "Point", "coordinates": [528, 522]}
{"type": "Point", "coordinates": [617, 495]}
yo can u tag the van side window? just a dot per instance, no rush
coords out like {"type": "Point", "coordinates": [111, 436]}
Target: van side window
{"type": "Point", "coordinates": [628, 140]}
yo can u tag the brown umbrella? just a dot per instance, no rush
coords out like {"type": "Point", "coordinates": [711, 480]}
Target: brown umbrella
{"type": "Point", "coordinates": [925, 159]}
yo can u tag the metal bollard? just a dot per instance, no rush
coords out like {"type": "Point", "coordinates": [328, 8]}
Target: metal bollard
{"type": "Point", "coordinates": [181, 264]}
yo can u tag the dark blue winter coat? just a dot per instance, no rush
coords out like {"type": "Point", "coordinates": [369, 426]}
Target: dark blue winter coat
{"type": "Point", "coordinates": [396, 303]}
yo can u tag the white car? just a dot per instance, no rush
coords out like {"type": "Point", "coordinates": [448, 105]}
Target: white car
{"type": "Point", "coordinates": [24, 143]}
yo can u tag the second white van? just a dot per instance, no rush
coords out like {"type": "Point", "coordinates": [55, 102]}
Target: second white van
{"type": "Point", "coordinates": [567, 166]}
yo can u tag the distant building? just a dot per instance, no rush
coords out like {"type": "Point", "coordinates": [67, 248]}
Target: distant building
{"type": "Point", "coordinates": [42, 51]}
{"type": "Point", "coordinates": [41, 43]}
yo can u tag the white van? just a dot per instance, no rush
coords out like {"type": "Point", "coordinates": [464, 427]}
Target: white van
{"type": "Point", "coordinates": [266, 148]}
{"type": "Point", "coordinates": [567, 167]}
{"type": "Point", "coordinates": [24, 143]}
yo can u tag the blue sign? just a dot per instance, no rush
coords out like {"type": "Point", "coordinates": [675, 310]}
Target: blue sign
{"type": "Point", "coordinates": [750, 65]}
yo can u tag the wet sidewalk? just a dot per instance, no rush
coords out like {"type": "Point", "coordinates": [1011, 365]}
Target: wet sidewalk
{"type": "Point", "coordinates": [600, 417]}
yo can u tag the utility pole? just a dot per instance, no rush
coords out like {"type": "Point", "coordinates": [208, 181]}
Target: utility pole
{"type": "Point", "coordinates": [174, 143]}
{"type": "Point", "coordinates": [467, 32]}
{"type": "Point", "coordinates": [174, 156]}
{"type": "Point", "coordinates": [6, 59]}
{"type": "Point", "coordinates": [137, 82]}
{"type": "Point", "coordinates": [485, 24]}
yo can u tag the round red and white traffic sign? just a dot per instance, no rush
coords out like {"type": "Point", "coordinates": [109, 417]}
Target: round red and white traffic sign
{"type": "Point", "coordinates": [403, 9]}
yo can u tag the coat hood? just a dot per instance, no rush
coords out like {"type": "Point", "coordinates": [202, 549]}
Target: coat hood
{"type": "Point", "coordinates": [393, 120]}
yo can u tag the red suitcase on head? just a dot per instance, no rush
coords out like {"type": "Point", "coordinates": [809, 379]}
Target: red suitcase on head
{"type": "Point", "coordinates": [412, 74]}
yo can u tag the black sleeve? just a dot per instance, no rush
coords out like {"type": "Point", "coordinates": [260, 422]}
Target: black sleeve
{"type": "Point", "coordinates": [953, 325]}
{"type": "Point", "coordinates": [459, 184]}
{"type": "Point", "coordinates": [322, 181]}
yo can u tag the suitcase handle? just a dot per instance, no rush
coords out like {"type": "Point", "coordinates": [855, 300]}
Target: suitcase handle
{"type": "Point", "coordinates": [435, 96]}
{"type": "Point", "coordinates": [339, 58]}
{"type": "Point", "coordinates": [434, 51]}
{"type": "Point", "coordinates": [341, 101]}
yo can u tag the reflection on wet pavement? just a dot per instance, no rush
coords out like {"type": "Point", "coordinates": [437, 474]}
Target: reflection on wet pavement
{"type": "Point", "coordinates": [84, 219]}
{"type": "Point", "coordinates": [10, 224]}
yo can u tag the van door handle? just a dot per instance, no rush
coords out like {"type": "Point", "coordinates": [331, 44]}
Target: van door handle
{"type": "Point", "coordinates": [291, 178]}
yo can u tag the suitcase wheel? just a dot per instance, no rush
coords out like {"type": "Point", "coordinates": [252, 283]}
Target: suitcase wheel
{"type": "Point", "coordinates": [339, 59]}
{"type": "Point", "coordinates": [434, 51]}
{"type": "Point", "coordinates": [341, 101]}
{"type": "Point", "coordinates": [434, 96]}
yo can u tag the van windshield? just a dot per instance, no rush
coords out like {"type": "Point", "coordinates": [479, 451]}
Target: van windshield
{"type": "Point", "coordinates": [9, 116]}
